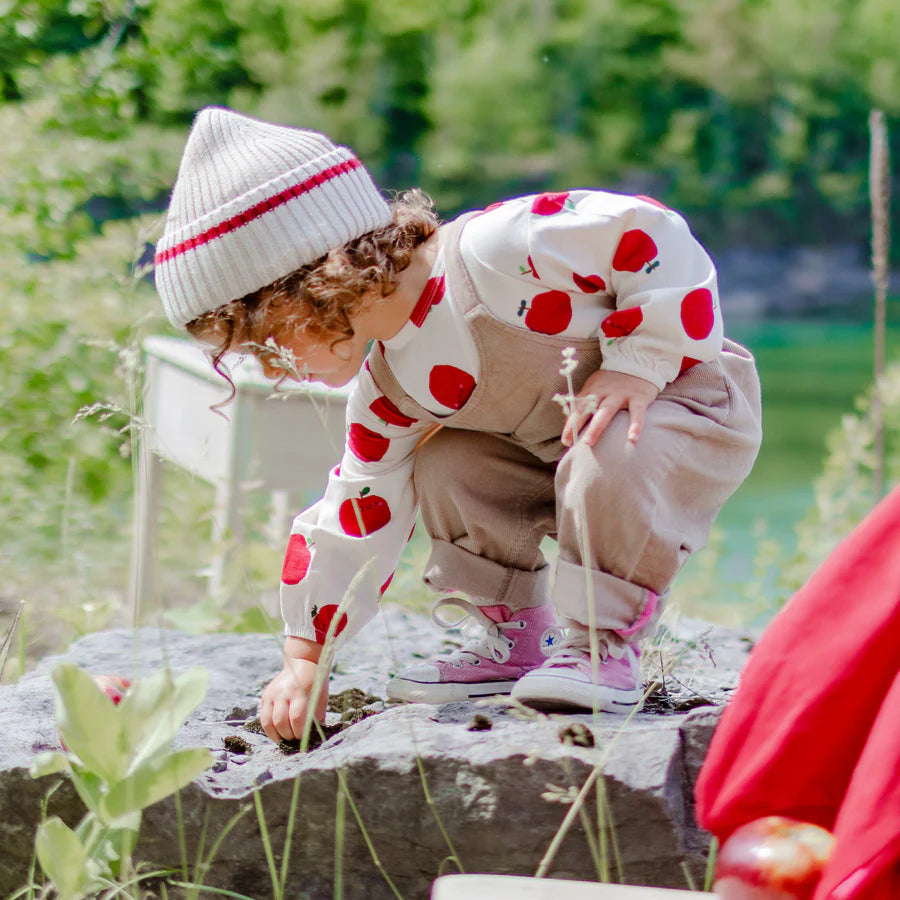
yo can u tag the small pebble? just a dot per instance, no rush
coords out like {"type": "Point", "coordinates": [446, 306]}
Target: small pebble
{"type": "Point", "coordinates": [480, 722]}
{"type": "Point", "coordinates": [234, 743]}
{"type": "Point", "coordinates": [577, 734]}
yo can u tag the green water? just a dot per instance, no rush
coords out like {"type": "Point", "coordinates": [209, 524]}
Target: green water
{"type": "Point", "coordinates": [811, 373]}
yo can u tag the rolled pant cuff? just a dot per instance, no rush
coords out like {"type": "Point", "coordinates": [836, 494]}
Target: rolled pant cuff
{"type": "Point", "coordinates": [619, 605]}
{"type": "Point", "coordinates": [485, 582]}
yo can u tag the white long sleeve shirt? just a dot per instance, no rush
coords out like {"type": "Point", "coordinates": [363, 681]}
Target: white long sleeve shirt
{"type": "Point", "coordinates": [578, 264]}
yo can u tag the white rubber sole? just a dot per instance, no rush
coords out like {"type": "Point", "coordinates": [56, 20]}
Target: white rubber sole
{"type": "Point", "coordinates": [549, 689]}
{"type": "Point", "coordinates": [399, 688]}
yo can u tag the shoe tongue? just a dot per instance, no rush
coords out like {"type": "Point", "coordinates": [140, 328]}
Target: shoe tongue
{"type": "Point", "coordinates": [499, 613]}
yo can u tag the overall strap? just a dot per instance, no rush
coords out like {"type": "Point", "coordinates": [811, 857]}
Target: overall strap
{"type": "Point", "coordinates": [465, 295]}
{"type": "Point", "coordinates": [467, 298]}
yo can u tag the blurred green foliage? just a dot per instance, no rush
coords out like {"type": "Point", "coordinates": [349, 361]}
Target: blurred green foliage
{"type": "Point", "coordinates": [749, 115]}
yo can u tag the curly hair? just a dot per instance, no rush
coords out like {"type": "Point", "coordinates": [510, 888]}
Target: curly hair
{"type": "Point", "coordinates": [321, 298]}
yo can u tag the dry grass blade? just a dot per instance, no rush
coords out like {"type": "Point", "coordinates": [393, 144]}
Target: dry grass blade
{"type": "Point", "coordinates": [879, 194]}
{"type": "Point", "coordinates": [8, 638]}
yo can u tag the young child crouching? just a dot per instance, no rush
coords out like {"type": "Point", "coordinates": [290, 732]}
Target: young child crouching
{"type": "Point", "coordinates": [279, 244]}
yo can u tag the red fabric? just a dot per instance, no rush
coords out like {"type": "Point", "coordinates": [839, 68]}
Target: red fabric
{"type": "Point", "coordinates": [813, 731]}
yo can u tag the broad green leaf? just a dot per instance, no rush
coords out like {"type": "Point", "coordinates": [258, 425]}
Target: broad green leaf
{"type": "Point", "coordinates": [48, 763]}
{"type": "Point", "coordinates": [155, 779]}
{"type": "Point", "coordinates": [156, 707]}
{"type": "Point", "coordinates": [89, 723]}
{"type": "Point", "coordinates": [88, 785]}
{"type": "Point", "coordinates": [62, 857]}
{"type": "Point", "coordinates": [118, 843]}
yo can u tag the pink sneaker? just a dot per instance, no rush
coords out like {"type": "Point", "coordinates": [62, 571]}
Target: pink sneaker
{"type": "Point", "coordinates": [513, 643]}
{"type": "Point", "coordinates": [566, 680]}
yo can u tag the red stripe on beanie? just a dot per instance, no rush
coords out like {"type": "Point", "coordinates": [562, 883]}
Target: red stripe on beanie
{"type": "Point", "coordinates": [258, 209]}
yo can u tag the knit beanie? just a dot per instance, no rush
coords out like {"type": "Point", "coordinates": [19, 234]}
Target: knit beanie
{"type": "Point", "coordinates": [253, 202]}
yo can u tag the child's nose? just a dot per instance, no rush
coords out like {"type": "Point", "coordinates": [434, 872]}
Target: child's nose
{"type": "Point", "coordinates": [271, 372]}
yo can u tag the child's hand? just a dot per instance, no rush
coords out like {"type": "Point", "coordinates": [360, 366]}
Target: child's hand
{"type": "Point", "coordinates": [612, 391]}
{"type": "Point", "coordinates": [285, 702]}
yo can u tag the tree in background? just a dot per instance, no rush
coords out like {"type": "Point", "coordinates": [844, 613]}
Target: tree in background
{"type": "Point", "coordinates": [750, 115]}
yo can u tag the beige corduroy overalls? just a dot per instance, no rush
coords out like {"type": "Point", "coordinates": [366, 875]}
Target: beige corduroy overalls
{"type": "Point", "coordinates": [495, 479]}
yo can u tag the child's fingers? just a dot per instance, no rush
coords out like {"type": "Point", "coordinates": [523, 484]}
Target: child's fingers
{"type": "Point", "coordinates": [288, 717]}
{"type": "Point", "coordinates": [604, 415]}
{"type": "Point", "coordinates": [585, 406]}
{"type": "Point", "coordinates": [573, 427]}
{"type": "Point", "coordinates": [266, 710]}
{"type": "Point", "coordinates": [299, 712]}
{"type": "Point", "coordinates": [637, 410]}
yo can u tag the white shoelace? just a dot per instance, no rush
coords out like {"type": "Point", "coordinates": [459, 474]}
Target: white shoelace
{"type": "Point", "coordinates": [575, 647]}
{"type": "Point", "coordinates": [493, 644]}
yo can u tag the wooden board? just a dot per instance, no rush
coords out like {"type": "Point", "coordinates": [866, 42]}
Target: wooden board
{"type": "Point", "coordinates": [514, 887]}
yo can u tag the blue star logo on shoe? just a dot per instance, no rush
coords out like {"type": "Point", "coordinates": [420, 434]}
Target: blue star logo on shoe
{"type": "Point", "coordinates": [550, 640]}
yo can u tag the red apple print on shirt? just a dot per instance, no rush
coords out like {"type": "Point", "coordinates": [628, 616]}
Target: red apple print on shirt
{"type": "Point", "coordinates": [529, 269]}
{"type": "Point", "coordinates": [550, 204]}
{"type": "Point", "coordinates": [430, 296]}
{"type": "Point", "coordinates": [636, 250]}
{"type": "Point", "coordinates": [367, 445]}
{"type": "Point", "coordinates": [386, 585]}
{"type": "Point", "coordinates": [651, 201]}
{"type": "Point", "coordinates": [364, 515]}
{"type": "Point", "coordinates": [450, 386]}
{"type": "Point", "coordinates": [321, 619]}
{"type": "Point", "coordinates": [698, 314]}
{"type": "Point", "coordinates": [296, 560]}
{"type": "Point", "coordinates": [389, 414]}
{"type": "Point", "coordinates": [622, 322]}
{"type": "Point", "coordinates": [549, 313]}
{"type": "Point", "coordinates": [687, 363]}
{"type": "Point", "coordinates": [589, 284]}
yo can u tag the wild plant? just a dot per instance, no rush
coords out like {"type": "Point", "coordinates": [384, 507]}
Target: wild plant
{"type": "Point", "coordinates": [119, 759]}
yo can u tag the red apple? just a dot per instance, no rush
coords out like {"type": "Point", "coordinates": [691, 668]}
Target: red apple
{"type": "Point", "coordinates": [389, 414]}
{"type": "Point", "coordinates": [296, 560]}
{"type": "Point", "coordinates": [431, 295]}
{"type": "Point", "coordinates": [530, 269]}
{"type": "Point", "coordinates": [589, 284]}
{"type": "Point", "coordinates": [364, 515]}
{"type": "Point", "coordinates": [773, 858]}
{"type": "Point", "coordinates": [450, 386]}
{"type": "Point", "coordinates": [114, 686]}
{"type": "Point", "coordinates": [698, 314]}
{"type": "Point", "coordinates": [321, 619]}
{"type": "Point", "coordinates": [635, 251]}
{"type": "Point", "coordinates": [365, 444]}
{"type": "Point", "coordinates": [550, 204]}
{"type": "Point", "coordinates": [622, 322]}
{"type": "Point", "coordinates": [549, 313]}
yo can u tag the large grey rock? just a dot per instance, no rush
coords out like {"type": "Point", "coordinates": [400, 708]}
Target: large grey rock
{"type": "Point", "coordinates": [422, 782]}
